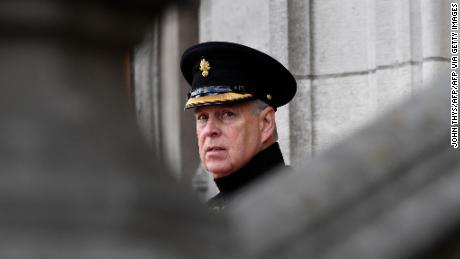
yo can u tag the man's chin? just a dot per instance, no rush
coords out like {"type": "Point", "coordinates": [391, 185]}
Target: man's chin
{"type": "Point", "coordinates": [218, 171]}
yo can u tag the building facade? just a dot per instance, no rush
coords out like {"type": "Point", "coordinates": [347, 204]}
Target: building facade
{"type": "Point", "coordinates": [352, 61]}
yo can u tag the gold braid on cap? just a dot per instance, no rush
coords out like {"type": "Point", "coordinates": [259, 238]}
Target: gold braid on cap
{"type": "Point", "coordinates": [218, 98]}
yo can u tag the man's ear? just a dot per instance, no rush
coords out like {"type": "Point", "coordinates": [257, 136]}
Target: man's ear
{"type": "Point", "coordinates": [267, 123]}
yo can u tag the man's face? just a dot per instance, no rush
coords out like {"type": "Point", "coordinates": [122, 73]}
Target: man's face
{"type": "Point", "coordinates": [228, 137]}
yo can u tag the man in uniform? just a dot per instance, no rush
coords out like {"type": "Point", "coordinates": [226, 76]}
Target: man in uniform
{"type": "Point", "coordinates": [235, 93]}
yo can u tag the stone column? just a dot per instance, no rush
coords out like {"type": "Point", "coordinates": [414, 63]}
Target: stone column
{"type": "Point", "coordinates": [301, 121]}
{"type": "Point", "coordinates": [77, 180]}
{"type": "Point", "coordinates": [161, 90]}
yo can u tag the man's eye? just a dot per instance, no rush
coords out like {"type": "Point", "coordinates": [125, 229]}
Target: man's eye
{"type": "Point", "coordinates": [228, 114]}
{"type": "Point", "coordinates": [201, 117]}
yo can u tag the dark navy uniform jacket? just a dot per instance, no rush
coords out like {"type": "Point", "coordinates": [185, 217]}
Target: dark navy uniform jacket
{"type": "Point", "coordinates": [262, 164]}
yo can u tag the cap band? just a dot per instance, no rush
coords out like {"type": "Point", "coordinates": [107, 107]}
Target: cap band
{"type": "Point", "coordinates": [216, 98]}
{"type": "Point", "coordinates": [210, 90]}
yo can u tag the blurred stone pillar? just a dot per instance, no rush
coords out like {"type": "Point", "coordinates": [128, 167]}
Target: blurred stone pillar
{"type": "Point", "coordinates": [161, 90]}
{"type": "Point", "coordinates": [77, 180]}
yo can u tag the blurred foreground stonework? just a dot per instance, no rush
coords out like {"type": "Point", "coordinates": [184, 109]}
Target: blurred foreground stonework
{"type": "Point", "coordinates": [389, 191]}
{"type": "Point", "coordinates": [77, 180]}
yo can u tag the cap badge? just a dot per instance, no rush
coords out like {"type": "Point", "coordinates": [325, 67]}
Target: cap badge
{"type": "Point", "coordinates": [204, 67]}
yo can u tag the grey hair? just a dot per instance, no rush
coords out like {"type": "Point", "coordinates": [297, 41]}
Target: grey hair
{"type": "Point", "coordinates": [257, 107]}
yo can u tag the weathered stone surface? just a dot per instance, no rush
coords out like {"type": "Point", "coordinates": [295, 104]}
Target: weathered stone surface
{"type": "Point", "coordinates": [279, 48]}
{"type": "Point", "coordinates": [342, 36]}
{"type": "Point", "coordinates": [222, 20]}
{"type": "Point", "coordinates": [169, 97]}
{"type": "Point", "coordinates": [161, 91]}
{"type": "Point", "coordinates": [393, 85]}
{"type": "Point", "coordinates": [340, 106]}
{"type": "Point", "coordinates": [436, 28]}
{"type": "Point", "coordinates": [434, 70]}
{"type": "Point", "coordinates": [300, 115]}
{"type": "Point", "coordinates": [299, 37]}
{"type": "Point", "coordinates": [395, 32]}
{"type": "Point", "coordinates": [278, 24]}
{"type": "Point", "coordinates": [147, 86]}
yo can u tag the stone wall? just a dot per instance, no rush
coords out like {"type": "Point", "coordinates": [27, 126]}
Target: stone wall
{"type": "Point", "coordinates": [352, 59]}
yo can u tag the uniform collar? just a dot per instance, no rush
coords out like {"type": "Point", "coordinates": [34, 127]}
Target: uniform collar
{"type": "Point", "coordinates": [258, 166]}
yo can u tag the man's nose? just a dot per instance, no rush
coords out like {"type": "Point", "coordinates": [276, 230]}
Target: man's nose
{"type": "Point", "coordinates": [212, 127]}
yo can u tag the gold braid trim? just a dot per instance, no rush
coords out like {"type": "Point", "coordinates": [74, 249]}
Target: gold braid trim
{"type": "Point", "coordinates": [216, 98]}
